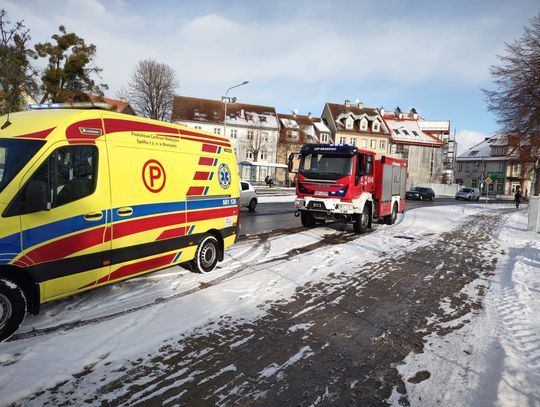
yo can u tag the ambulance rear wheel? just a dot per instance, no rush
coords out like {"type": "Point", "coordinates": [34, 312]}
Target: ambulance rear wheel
{"type": "Point", "coordinates": [361, 221]}
{"type": "Point", "coordinates": [308, 220]}
{"type": "Point", "coordinates": [12, 308]}
{"type": "Point", "coordinates": [206, 256]}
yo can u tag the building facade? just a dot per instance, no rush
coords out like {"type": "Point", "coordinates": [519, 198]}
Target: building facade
{"type": "Point", "coordinates": [252, 129]}
{"type": "Point", "coordinates": [297, 130]}
{"type": "Point", "coordinates": [496, 160]}
{"type": "Point", "coordinates": [421, 143]}
{"type": "Point", "coordinates": [357, 125]}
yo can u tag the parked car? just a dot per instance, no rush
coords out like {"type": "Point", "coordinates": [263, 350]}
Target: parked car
{"type": "Point", "coordinates": [469, 194]}
{"type": "Point", "coordinates": [420, 193]}
{"type": "Point", "coordinates": [248, 196]}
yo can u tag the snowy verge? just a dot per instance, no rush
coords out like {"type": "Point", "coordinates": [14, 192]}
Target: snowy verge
{"type": "Point", "coordinates": [495, 359]}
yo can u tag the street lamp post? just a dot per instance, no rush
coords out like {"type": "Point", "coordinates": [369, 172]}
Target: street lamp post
{"type": "Point", "coordinates": [226, 100]}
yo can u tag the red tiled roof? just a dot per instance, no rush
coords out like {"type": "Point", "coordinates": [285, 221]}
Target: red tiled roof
{"type": "Point", "coordinates": [120, 106]}
{"type": "Point", "coordinates": [209, 110]}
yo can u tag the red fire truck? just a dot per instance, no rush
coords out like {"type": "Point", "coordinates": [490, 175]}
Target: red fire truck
{"type": "Point", "coordinates": [346, 183]}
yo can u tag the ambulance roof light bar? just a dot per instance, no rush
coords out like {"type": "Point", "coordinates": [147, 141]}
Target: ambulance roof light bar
{"type": "Point", "coordinates": [76, 105]}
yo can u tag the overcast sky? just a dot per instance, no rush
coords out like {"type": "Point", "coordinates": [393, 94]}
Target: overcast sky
{"type": "Point", "coordinates": [434, 56]}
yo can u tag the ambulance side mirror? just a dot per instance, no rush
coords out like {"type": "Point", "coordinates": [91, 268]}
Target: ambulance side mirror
{"type": "Point", "coordinates": [35, 198]}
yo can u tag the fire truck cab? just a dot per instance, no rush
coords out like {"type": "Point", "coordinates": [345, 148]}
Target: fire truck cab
{"type": "Point", "coordinates": [349, 184]}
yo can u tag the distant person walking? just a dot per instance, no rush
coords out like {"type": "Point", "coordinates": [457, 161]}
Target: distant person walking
{"type": "Point", "coordinates": [517, 197]}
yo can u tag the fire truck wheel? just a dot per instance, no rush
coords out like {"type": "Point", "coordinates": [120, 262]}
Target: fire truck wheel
{"type": "Point", "coordinates": [391, 219]}
{"type": "Point", "coordinates": [12, 307]}
{"type": "Point", "coordinates": [308, 220]}
{"type": "Point", "coordinates": [206, 256]}
{"type": "Point", "coordinates": [361, 221]}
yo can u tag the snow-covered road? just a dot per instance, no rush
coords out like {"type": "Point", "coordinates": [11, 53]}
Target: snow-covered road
{"type": "Point", "coordinates": [308, 316]}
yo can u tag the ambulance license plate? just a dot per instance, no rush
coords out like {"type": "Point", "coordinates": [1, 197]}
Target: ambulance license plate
{"type": "Point", "coordinates": [321, 193]}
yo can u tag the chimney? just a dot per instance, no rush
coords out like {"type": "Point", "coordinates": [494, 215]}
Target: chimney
{"type": "Point", "coordinates": [415, 116]}
{"type": "Point", "coordinates": [309, 115]}
{"type": "Point", "coordinates": [381, 110]}
{"type": "Point", "coordinates": [242, 113]}
{"type": "Point", "coordinates": [414, 113]}
{"type": "Point", "coordinates": [360, 105]}
{"type": "Point", "coordinates": [347, 103]}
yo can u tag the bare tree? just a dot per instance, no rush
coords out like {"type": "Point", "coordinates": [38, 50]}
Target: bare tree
{"type": "Point", "coordinates": [257, 143]}
{"type": "Point", "coordinates": [516, 98]}
{"type": "Point", "coordinates": [16, 72]}
{"type": "Point", "coordinates": [150, 89]}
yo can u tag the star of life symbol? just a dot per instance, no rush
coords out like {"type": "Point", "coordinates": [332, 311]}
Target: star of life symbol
{"type": "Point", "coordinates": [224, 176]}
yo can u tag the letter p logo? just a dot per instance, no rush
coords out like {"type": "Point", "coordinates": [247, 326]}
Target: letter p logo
{"type": "Point", "coordinates": [153, 175]}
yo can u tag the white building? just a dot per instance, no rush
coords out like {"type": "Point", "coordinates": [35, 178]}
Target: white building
{"type": "Point", "coordinates": [252, 129]}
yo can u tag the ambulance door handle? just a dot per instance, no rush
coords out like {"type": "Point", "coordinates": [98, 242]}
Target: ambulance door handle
{"type": "Point", "coordinates": [93, 216]}
{"type": "Point", "coordinates": [126, 211]}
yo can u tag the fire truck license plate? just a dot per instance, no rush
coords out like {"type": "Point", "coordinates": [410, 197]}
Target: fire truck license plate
{"type": "Point", "coordinates": [321, 193]}
{"type": "Point", "coordinates": [317, 205]}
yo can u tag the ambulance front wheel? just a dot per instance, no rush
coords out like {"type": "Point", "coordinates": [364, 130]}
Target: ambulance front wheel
{"type": "Point", "coordinates": [206, 256]}
{"type": "Point", "coordinates": [12, 308]}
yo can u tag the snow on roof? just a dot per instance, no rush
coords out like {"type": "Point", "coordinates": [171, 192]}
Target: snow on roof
{"type": "Point", "coordinates": [434, 125]}
{"type": "Point", "coordinates": [483, 149]}
{"type": "Point", "coordinates": [289, 123]}
{"type": "Point", "coordinates": [409, 132]}
{"type": "Point", "coordinates": [321, 127]}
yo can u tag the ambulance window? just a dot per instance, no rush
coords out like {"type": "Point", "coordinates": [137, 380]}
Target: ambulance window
{"type": "Point", "coordinates": [14, 154]}
{"type": "Point", "coordinates": [69, 174]}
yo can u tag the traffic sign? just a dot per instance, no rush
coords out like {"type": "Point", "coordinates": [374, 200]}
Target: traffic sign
{"type": "Point", "coordinates": [488, 181]}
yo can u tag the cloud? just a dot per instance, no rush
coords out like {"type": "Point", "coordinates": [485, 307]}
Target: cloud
{"type": "Point", "coordinates": [468, 138]}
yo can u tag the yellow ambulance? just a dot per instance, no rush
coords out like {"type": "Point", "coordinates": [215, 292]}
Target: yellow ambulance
{"type": "Point", "coordinates": [89, 197]}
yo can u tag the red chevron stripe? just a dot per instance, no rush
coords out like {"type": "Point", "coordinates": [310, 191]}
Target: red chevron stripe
{"type": "Point", "coordinates": [195, 191]}
{"type": "Point", "coordinates": [214, 143]}
{"type": "Point", "coordinates": [211, 214]}
{"type": "Point", "coordinates": [72, 244]}
{"type": "Point", "coordinates": [119, 125]}
{"type": "Point", "coordinates": [38, 134]}
{"type": "Point", "coordinates": [144, 265]}
{"type": "Point", "coordinates": [168, 234]}
{"type": "Point", "coordinates": [201, 176]}
{"type": "Point", "coordinates": [207, 148]}
{"type": "Point", "coordinates": [131, 227]}
{"type": "Point", "coordinates": [206, 161]}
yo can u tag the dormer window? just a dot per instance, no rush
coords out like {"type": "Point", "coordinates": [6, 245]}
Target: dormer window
{"type": "Point", "coordinates": [376, 126]}
{"type": "Point", "coordinates": [363, 124]}
{"type": "Point", "coordinates": [349, 123]}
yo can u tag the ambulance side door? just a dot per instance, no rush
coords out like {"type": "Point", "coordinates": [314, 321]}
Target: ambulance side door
{"type": "Point", "coordinates": [64, 208]}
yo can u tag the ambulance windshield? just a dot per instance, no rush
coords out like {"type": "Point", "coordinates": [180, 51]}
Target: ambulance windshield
{"type": "Point", "coordinates": [14, 154]}
{"type": "Point", "coordinates": [325, 166]}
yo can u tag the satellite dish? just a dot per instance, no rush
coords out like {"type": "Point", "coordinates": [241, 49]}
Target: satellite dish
{"type": "Point", "coordinates": [233, 99]}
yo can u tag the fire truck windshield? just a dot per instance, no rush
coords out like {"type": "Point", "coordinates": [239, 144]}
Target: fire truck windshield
{"type": "Point", "coordinates": [325, 166]}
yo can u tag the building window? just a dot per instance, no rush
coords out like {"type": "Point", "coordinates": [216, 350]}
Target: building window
{"type": "Point", "coordinates": [349, 123]}
{"type": "Point", "coordinates": [516, 169]}
{"type": "Point", "coordinates": [373, 144]}
{"type": "Point", "coordinates": [468, 167]}
{"type": "Point", "coordinates": [415, 133]}
{"type": "Point", "coordinates": [250, 135]}
{"type": "Point", "coordinates": [364, 143]}
{"type": "Point", "coordinates": [263, 155]}
{"type": "Point", "coordinates": [460, 167]}
{"type": "Point", "coordinates": [376, 125]}
{"type": "Point", "coordinates": [501, 167]}
{"type": "Point", "coordinates": [324, 137]}
{"type": "Point", "coordinates": [342, 140]}
{"type": "Point", "coordinates": [291, 135]}
{"type": "Point", "coordinates": [405, 132]}
{"type": "Point", "coordinates": [264, 135]}
{"type": "Point", "coordinates": [217, 130]}
{"type": "Point", "coordinates": [382, 145]}
{"type": "Point", "coordinates": [353, 141]}
{"type": "Point", "coordinates": [363, 124]}
{"type": "Point", "coordinates": [233, 133]}
{"type": "Point", "coordinates": [249, 155]}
